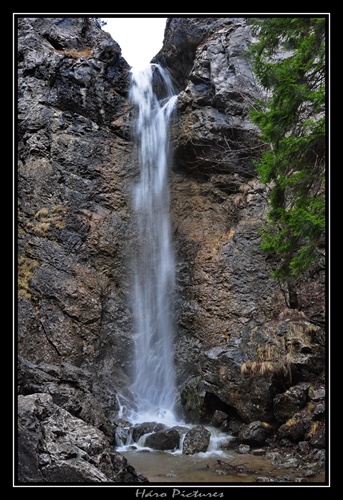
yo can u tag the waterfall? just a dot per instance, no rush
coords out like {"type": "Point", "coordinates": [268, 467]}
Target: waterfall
{"type": "Point", "coordinates": [154, 386]}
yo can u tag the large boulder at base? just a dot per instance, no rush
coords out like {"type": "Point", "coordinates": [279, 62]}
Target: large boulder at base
{"type": "Point", "coordinates": [54, 446]}
{"type": "Point", "coordinates": [167, 439]}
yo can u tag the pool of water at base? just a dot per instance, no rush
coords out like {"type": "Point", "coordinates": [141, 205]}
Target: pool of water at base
{"type": "Point", "coordinates": [228, 467]}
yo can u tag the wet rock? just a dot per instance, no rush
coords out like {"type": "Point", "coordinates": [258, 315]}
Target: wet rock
{"type": "Point", "coordinates": [122, 434]}
{"type": "Point", "coordinates": [139, 430]}
{"type": "Point", "coordinates": [319, 412]}
{"type": "Point", "coordinates": [192, 400]}
{"type": "Point", "coordinates": [219, 419]}
{"type": "Point", "coordinates": [303, 447]}
{"type": "Point", "coordinates": [320, 455]}
{"type": "Point", "coordinates": [256, 433]}
{"type": "Point", "coordinates": [233, 426]}
{"type": "Point", "coordinates": [295, 428]}
{"type": "Point", "coordinates": [181, 429]}
{"type": "Point", "coordinates": [317, 394]}
{"type": "Point", "coordinates": [168, 439]}
{"type": "Point", "coordinates": [196, 440]}
{"type": "Point", "coordinates": [317, 435]}
{"type": "Point", "coordinates": [243, 448]}
{"type": "Point", "coordinates": [290, 402]}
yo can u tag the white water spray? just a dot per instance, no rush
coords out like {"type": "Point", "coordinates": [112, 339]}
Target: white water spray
{"type": "Point", "coordinates": [154, 386]}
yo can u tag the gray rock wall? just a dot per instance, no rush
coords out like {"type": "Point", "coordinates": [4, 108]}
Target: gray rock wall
{"type": "Point", "coordinates": [236, 333]}
{"type": "Point", "coordinates": [75, 170]}
{"type": "Point", "coordinates": [74, 178]}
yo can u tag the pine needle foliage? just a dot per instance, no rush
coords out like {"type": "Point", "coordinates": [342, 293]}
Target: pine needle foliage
{"type": "Point", "coordinates": [289, 63]}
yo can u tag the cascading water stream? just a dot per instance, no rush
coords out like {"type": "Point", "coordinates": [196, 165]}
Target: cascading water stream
{"type": "Point", "coordinates": [153, 265]}
{"type": "Point", "coordinates": [154, 386]}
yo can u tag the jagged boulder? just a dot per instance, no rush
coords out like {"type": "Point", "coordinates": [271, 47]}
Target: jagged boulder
{"type": "Point", "coordinates": [70, 388]}
{"type": "Point", "coordinates": [54, 446]}
{"type": "Point", "coordinates": [196, 440]}
{"type": "Point", "coordinates": [256, 433]}
{"type": "Point", "coordinates": [290, 402]}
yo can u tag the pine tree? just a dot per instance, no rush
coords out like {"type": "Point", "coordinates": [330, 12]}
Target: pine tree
{"type": "Point", "coordinates": [289, 62]}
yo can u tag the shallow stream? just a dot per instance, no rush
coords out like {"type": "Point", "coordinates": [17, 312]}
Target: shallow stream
{"type": "Point", "coordinates": [223, 467]}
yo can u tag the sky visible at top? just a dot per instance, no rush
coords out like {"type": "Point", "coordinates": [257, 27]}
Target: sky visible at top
{"type": "Point", "coordinates": [140, 38]}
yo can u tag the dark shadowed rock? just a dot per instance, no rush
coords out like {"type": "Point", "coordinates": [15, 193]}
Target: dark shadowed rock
{"type": "Point", "coordinates": [290, 402]}
{"type": "Point", "coordinates": [256, 433]}
{"type": "Point", "coordinates": [295, 428]}
{"type": "Point", "coordinates": [139, 430]}
{"type": "Point", "coordinates": [167, 439]}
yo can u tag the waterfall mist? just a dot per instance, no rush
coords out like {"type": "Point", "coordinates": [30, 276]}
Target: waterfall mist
{"type": "Point", "coordinates": [153, 386]}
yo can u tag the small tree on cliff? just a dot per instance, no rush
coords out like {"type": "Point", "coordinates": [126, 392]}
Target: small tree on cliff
{"type": "Point", "coordinates": [289, 62]}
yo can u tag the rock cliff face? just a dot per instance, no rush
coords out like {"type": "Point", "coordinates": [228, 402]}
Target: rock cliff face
{"type": "Point", "coordinates": [241, 355]}
{"type": "Point", "coordinates": [233, 321]}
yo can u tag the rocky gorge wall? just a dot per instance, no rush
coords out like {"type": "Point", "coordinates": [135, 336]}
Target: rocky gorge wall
{"type": "Point", "coordinates": [242, 357]}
